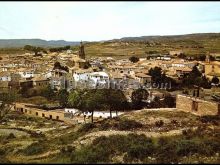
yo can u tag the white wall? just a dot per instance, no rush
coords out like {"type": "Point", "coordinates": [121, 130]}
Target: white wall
{"type": "Point", "coordinates": [5, 78]}
{"type": "Point", "coordinates": [95, 114]}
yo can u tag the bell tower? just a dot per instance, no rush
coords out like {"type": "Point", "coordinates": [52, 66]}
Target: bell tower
{"type": "Point", "coordinates": [81, 51]}
{"type": "Point", "coordinates": [207, 59]}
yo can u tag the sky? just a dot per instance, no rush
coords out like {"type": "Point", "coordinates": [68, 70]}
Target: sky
{"type": "Point", "coordinates": [95, 21]}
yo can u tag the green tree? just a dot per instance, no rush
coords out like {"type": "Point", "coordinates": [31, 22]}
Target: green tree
{"type": "Point", "coordinates": [112, 100]}
{"type": "Point", "coordinates": [5, 102]}
{"type": "Point", "coordinates": [76, 100]}
{"type": "Point", "coordinates": [62, 96]}
{"type": "Point", "coordinates": [48, 92]}
{"type": "Point", "coordinates": [195, 78]}
{"type": "Point", "coordinates": [34, 49]}
{"type": "Point", "coordinates": [92, 99]}
{"type": "Point", "coordinates": [156, 103]}
{"type": "Point", "coordinates": [137, 97]}
{"type": "Point", "coordinates": [169, 101]}
{"type": "Point", "coordinates": [156, 74]}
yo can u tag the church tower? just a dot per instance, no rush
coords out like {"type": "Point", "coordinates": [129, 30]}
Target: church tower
{"type": "Point", "coordinates": [207, 59]}
{"type": "Point", "coordinates": [81, 51]}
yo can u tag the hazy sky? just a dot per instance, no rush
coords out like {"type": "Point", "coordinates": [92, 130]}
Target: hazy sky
{"type": "Point", "coordinates": [93, 21]}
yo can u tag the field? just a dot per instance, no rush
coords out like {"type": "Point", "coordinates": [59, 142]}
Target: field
{"type": "Point", "coordinates": [144, 136]}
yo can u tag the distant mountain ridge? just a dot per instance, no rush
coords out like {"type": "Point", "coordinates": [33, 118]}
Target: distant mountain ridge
{"type": "Point", "coordinates": [194, 36]}
{"type": "Point", "coordinates": [35, 42]}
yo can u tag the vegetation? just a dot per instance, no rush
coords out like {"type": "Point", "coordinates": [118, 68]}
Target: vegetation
{"type": "Point", "coordinates": [195, 77]}
{"type": "Point", "coordinates": [34, 148]}
{"type": "Point", "coordinates": [62, 96]}
{"type": "Point", "coordinates": [215, 80]}
{"type": "Point", "coordinates": [121, 124]}
{"type": "Point", "coordinates": [34, 49]}
{"type": "Point", "coordinates": [137, 98]}
{"type": "Point", "coordinates": [134, 59]}
{"type": "Point", "coordinates": [160, 80]}
{"type": "Point", "coordinates": [136, 148]}
{"type": "Point", "coordinates": [59, 49]}
{"type": "Point", "coordinates": [97, 100]}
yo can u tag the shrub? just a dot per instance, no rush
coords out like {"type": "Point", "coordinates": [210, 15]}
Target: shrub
{"type": "Point", "coordinates": [86, 127]}
{"type": "Point", "coordinates": [210, 119]}
{"type": "Point", "coordinates": [11, 136]}
{"type": "Point", "coordinates": [165, 151]}
{"type": "Point", "coordinates": [2, 152]}
{"type": "Point", "coordinates": [140, 151]}
{"type": "Point", "coordinates": [34, 148]}
{"type": "Point", "coordinates": [90, 155]}
{"type": "Point", "coordinates": [159, 123]}
{"type": "Point", "coordinates": [126, 124]}
{"type": "Point", "coordinates": [105, 125]}
{"type": "Point", "coordinates": [67, 149]}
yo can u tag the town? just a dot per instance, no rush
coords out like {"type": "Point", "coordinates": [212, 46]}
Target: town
{"type": "Point", "coordinates": [157, 77]}
{"type": "Point", "coordinates": [64, 86]}
{"type": "Point", "coordinates": [80, 84]}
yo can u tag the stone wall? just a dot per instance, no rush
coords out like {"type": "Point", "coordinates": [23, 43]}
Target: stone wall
{"type": "Point", "coordinates": [204, 107]}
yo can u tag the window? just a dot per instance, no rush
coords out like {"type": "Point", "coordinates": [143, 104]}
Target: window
{"type": "Point", "coordinates": [51, 117]}
{"type": "Point", "coordinates": [25, 110]}
{"type": "Point", "coordinates": [57, 117]}
{"type": "Point", "coordinates": [43, 115]}
{"type": "Point", "coordinates": [36, 113]}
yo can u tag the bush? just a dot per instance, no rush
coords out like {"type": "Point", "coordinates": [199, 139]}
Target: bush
{"type": "Point", "coordinates": [90, 155]}
{"type": "Point", "coordinates": [34, 148]}
{"type": "Point", "coordinates": [67, 149]}
{"type": "Point", "coordinates": [210, 119]}
{"type": "Point", "coordinates": [140, 148]}
{"type": "Point", "coordinates": [105, 124]}
{"type": "Point", "coordinates": [126, 124]}
{"type": "Point", "coordinates": [2, 152]}
{"type": "Point", "coordinates": [11, 136]}
{"type": "Point", "coordinates": [86, 127]}
{"type": "Point", "coordinates": [103, 149]}
{"type": "Point", "coordinates": [159, 123]}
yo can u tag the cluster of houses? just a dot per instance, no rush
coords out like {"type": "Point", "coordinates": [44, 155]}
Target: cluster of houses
{"type": "Point", "coordinates": [38, 72]}
{"type": "Point", "coordinates": [75, 70]}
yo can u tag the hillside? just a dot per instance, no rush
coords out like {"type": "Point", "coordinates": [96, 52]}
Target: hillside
{"type": "Point", "coordinates": [191, 44]}
{"type": "Point", "coordinates": [145, 136]}
{"type": "Point", "coordinates": [13, 43]}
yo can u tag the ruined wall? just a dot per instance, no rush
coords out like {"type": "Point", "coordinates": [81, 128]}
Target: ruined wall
{"type": "Point", "coordinates": [204, 107]}
{"type": "Point", "coordinates": [208, 108]}
{"type": "Point", "coordinates": [184, 103]}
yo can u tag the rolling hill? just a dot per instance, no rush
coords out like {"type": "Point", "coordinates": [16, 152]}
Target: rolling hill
{"type": "Point", "coordinates": [34, 42]}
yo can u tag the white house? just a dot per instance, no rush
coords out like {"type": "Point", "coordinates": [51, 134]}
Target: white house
{"type": "Point", "coordinates": [26, 73]}
{"type": "Point", "coordinates": [5, 76]}
{"type": "Point", "coordinates": [79, 75]}
{"type": "Point", "coordinates": [99, 77]}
